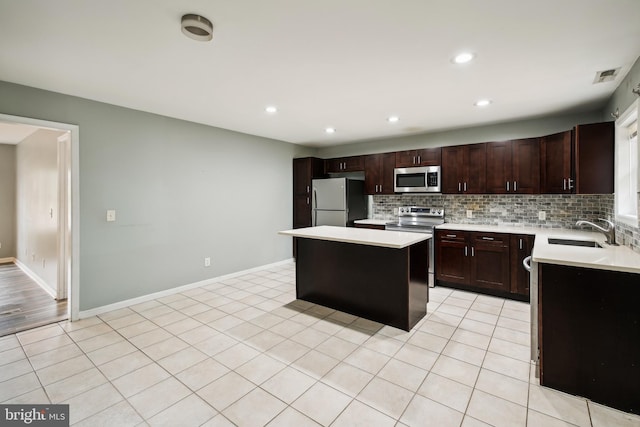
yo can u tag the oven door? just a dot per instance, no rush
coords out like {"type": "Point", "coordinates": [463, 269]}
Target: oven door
{"type": "Point", "coordinates": [419, 229]}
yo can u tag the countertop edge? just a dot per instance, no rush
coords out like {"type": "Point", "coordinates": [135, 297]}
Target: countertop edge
{"type": "Point", "coordinates": [414, 237]}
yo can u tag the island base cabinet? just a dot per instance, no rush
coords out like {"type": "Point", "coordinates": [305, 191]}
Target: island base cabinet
{"type": "Point", "coordinates": [589, 334]}
{"type": "Point", "coordinates": [385, 285]}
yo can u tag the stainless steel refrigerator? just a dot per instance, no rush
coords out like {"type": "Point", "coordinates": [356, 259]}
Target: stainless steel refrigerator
{"type": "Point", "coordinates": [338, 201]}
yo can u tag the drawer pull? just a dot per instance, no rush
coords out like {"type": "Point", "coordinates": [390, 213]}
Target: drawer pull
{"type": "Point", "coordinates": [451, 235]}
{"type": "Point", "coordinates": [488, 238]}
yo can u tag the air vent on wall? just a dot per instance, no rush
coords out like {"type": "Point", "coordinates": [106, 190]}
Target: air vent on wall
{"type": "Point", "coordinates": [606, 75]}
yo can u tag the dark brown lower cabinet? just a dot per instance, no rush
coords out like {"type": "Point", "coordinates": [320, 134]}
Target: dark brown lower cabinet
{"type": "Point", "coordinates": [382, 284]}
{"type": "Point", "coordinates": [451, 257]}
{"type": "Point", "coordinates": [482, 262]}
{"type": "Point", "coordinates": [521, 247]}
{"type": "Point", "coordinates": [490, 261]}
{"type": "Point", "coordinates": [589, 334]}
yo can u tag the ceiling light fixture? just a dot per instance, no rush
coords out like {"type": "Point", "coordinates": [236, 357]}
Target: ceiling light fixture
{"type": "Point", "coordinates": [330, 130]}
{"type": "Point", "coordinates": [482, 103]}
{"type": "Point", "coordinates": [271, 109]}
{"type": "Point", "coordinates": [393, 119]}
{"type": "Point", "coordinates": [463, 58]}
{"type": "Point", "coordinates": [197, 27]}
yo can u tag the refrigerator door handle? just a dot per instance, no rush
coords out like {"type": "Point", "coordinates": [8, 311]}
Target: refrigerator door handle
{"type": "Point", "coordinates": [315, 208]}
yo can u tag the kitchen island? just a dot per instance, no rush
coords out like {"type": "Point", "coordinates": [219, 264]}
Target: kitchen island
{"type": "Point", "coordinates": [376, 274]}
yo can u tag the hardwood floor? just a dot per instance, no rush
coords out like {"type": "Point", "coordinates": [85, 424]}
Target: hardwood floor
{"type": "Point", "coordinates": [24, 304]}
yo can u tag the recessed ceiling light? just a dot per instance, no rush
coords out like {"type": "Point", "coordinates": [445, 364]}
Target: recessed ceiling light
{"type": "Point", "coordinates": [330, 130]}
{"type": "Point", "coordinates": [271, 109]}
{"type": "Point", "coordinates": [197, 27]}
{"type": "Point", "coordinates": [482, 102]}
{"type": "Point", "coordinates": [463, 58]}
{"type": "Point", "coordinates": [393, 119]}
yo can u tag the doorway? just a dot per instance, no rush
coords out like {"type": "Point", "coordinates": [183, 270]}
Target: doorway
{"type": "Point", "coordinates": [62, 249]}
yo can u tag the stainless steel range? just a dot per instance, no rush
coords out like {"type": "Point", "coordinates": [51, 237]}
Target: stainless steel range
{"type": "Point", "coordinates": [418, 219]}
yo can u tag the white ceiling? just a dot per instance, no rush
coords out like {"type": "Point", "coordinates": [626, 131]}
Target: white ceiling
{"type": "Point", "coordinates": [343, 63]}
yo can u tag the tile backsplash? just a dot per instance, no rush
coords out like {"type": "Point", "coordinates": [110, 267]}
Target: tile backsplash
{"type": "Point", "coordinates": [561, 210]}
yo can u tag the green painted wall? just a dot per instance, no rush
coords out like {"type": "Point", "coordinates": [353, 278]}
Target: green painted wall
{"type": "Point", "coordinates": [182, 192]}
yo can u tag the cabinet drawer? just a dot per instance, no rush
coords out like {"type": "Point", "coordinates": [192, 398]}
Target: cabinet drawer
{"type": "Point", "coordinates": [449, 235]}
{"type": "Point", "coordinates": [490, 238]}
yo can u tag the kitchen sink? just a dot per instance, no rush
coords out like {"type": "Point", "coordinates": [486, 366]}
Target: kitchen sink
{"type": "Point", "coordinates": [571, 242]}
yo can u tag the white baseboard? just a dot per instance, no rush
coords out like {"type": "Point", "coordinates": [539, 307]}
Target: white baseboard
{"type": "Point", "coordinates": [36, 278]}
{"type": "Point", "coordinates": [144, 298]}
{"type": "Point", "coordinates": [7, 260]}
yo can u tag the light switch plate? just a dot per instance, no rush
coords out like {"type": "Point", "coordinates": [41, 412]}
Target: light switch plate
{"type": "Point", "coordinates": [542, 215]}
{"type": "Point", "coordinates": [469, 213]}
{"type": "Point", "coordinates": [111, 215]}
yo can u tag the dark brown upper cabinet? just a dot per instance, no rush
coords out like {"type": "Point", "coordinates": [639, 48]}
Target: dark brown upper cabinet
{"type": "Point", "coordinates": [344, 164]}
{"type": "Point", "coordinates": [378, 173]}
{"type": "Point", "coordinates": [513, 167]}
{"type": "Point", "coordinates": [304, 171]}
{"type": "Point", "coordinates": [594, 158]}
{"type": "Point", "coordinates": [556, 164]}
{"type": "Point", "coordinates": [464, 169]}
{"type": "Point", "coordinates": [423, 157]}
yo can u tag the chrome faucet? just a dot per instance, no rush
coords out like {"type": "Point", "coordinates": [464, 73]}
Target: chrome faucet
{"type": "Point", "coordinates": [609, 232]}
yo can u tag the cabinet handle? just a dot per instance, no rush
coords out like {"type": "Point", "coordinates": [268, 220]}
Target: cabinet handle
{"type": "Point", "coordinates": [472, 252]}
{"type": "Point", "coordinates": [488, 238]}
{"type": "Point", "coordinates": [515, 185]}
{"type": "Point", "coordinates": [307, 189]}
{"type": "Point", "coordinates": [381, 188]}
{"type": "Point", "coordinates": [520, 244]}
{"type": "Point", "coordinates": [570, 181]}
{"type": "Point", "coordinates": [459, 187]}
{"type": "Point", "coordinates": [465, 186]}
{"type": "Point", "coordinates": [419, 159]}
{"type": "Point", "coordinates": [307, 200]}
{"type": "Point", "coordinates": [451, 235]}
{"type": "Point", "coordinates": [507, 185]}
{"type": "Point", "coordinates": [564, 183]}
{"type": "Point", "coordinates": [414, 160]}
{"type": "Point", "coordinates": [465, 251]}
{"type": "Point", "coordinates": [526, 263]}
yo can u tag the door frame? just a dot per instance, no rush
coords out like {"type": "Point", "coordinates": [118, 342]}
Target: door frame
{"type": "Point", "coordinates": [69, 207]}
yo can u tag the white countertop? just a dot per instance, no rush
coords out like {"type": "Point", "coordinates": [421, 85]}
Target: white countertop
{"type": "Point", "coordinates": [363, 236]}
{"type": "Point", "coordinates": [615, 258]}
{"type": "Point", "coordinates": [373, 221]}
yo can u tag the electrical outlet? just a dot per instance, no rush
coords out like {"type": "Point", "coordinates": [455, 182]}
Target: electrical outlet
{"type": "Point", "coordinates": [111, 215]}
{"type": "Point", "coordinates": [207, 262]}
{"type": "Point", "coordinates": [469, 213]}
{"type": "Point", "coordinates": [542, 215]}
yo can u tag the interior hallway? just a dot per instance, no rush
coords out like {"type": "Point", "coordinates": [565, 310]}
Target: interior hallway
{"type": "Point", "coordinates": [24, 304]}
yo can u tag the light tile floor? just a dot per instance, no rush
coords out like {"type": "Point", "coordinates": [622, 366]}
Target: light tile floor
{"type": "Point", "coordinates": [245, 352]}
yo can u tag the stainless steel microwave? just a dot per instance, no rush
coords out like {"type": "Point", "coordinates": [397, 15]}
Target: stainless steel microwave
{"type": "Point", "coordinates": [425, 179]}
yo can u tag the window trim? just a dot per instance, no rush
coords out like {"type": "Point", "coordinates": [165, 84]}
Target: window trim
{"type": "Point", "coordinates": [631, 114]}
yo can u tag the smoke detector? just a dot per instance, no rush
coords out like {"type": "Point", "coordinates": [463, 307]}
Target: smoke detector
{"type": "Point", "coordinates": [197, 27]}
{"type": "Point", "coordinates": [606, 75]}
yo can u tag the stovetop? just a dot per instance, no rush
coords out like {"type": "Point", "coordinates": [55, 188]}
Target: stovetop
{"type": "Point", "coordinates": [418, 218]}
